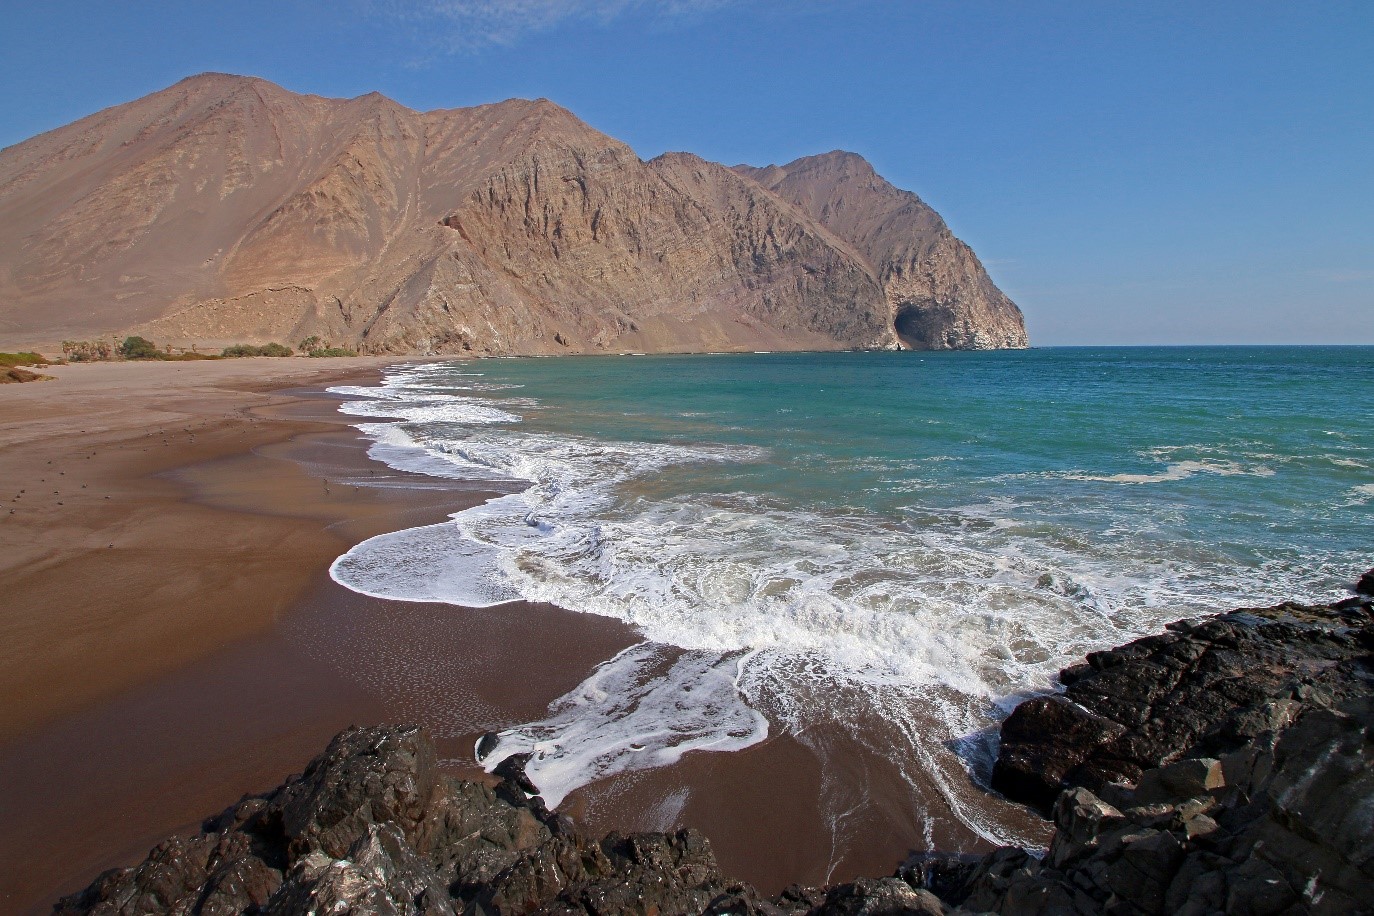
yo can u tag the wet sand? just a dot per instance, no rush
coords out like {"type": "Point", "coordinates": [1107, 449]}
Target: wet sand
{"type": "Point", "coordinates": [207, 654]}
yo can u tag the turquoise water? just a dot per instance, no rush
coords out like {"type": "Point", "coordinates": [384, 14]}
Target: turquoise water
{"type": "Point", "coordinates": [928, 535]}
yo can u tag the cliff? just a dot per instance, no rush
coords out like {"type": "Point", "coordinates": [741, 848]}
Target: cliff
{"type": "Point", "coordinates": [226, 208]}
{"type": "Point", "coordinates": [937, 292]}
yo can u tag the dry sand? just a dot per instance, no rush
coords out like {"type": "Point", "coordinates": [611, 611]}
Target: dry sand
{"type": "Point", "coordinates": [207, 654]}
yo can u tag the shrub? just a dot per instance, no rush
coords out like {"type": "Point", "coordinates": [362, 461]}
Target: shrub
{"type": "Point", "coordinates": [190, 356]}
{"type": "Point", "coordinates": [15, 374]}
{"type": "Point", "coordinates": [84, 351]}
{"type": "Point", "coordinates": [139, 348]}
{"type": "Point", "coordinates": [313, 342]}
{"type": "Point", "coordinates": [332, 351]}
{"type": "Point", "coordinates": [24, 358]}
{"type": "Point", "coordinates": [272, 349]}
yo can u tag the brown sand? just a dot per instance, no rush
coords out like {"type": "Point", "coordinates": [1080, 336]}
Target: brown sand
{"type": "Point", "coordinates": [208, 654]}
{"type": "Point", "coordinates": [111, 576]}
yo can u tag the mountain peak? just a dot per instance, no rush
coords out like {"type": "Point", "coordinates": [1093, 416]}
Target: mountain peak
{"type": "Point", "coordinates": [836, 158]}
{"type": "Point", "coordinates": [227, 209]}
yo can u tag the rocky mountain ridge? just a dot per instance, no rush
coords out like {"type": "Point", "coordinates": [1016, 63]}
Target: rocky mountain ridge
{"type": "Point", "coordinates": [1248, 793]}
{"type": "Point", "coordinates": [226, 208]}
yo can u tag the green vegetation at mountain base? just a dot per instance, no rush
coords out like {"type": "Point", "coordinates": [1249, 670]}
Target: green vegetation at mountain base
{"type": "Point", "coordinates": [271, 349]}
{"type": "Point", "coordinates": [23, 358]}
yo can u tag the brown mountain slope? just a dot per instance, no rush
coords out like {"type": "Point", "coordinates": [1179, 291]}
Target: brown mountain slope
{"type": "Point", "coordinates": [227, 208]}
{"type": "Point", "coordinates": [939, 294]}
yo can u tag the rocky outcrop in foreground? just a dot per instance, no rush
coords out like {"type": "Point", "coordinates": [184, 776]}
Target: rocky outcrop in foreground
{"type": "Point", "coordinates": [1226, 766]}
{"type": "Point", "coordinates": [1203, 689]}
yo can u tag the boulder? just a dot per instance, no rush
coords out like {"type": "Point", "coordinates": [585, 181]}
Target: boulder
{"type": "Point", "coordinates": [372, 827]}
{"type": "Point", "coordinates": [1203, 689]}
{"type": "Point", "coordinates": [1366, 584]}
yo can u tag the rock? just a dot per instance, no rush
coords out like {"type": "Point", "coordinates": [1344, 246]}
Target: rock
{"type": "Point", "coordinates": [512, 769]}
{"type": "Point", "coordinates": [365, 777]}
{"type": "Point", "coordinates": [1080, 817]}
{"type": "Point", "coordinates": [1179, 781]}
{"type": "Point", "coordinates": [1223, 766]}
{"type": "Point", "coordinates": [486, 744]}
{"type": "Point", "coordinates": [1366, 584]}
{"type": "Point", "coordinates": [177, 874]}
{"type": "Point", "coordinates": [1202, 689]}
{"type": "Point", "coordinates": [880, 897]}
{"type": "Point", "coordinates": [372, 827]}
{"type": "Point", "coordinates": [1043, 741]}
{"type": "Point", "coordinates": [1263, 806]}
{"type": "Point", "coordinates": [511, 228]}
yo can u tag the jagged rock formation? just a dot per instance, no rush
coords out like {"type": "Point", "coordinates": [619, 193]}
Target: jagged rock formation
{"type": "Point", "coordinates": [225, 208]}
{"type": "Point", "coordinates": [1281, 826]}
{"type": "Point", "coordinates": [1226, 766]}
{"type": "Point", "coordinates": [372, 827]}
{"type": "Point", "coordinates": [939, 295]}
{"type": "Point", "coordinates": [1202, 689]}
{"type": "Point", "coordinates": [1277, 821]}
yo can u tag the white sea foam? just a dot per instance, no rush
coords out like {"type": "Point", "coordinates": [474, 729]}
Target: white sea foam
{"type": "Point", "coordinates": [645, 707]}
{"type": "Point", "coordinates": [750, 606]}
{"type": "Point", "coordinates": [1180, 470]}
{"type": "Point", "coordinates": [1361, 494]}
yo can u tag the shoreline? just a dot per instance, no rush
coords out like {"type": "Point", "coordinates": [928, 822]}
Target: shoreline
{"type": "Point", "coordinates": [265, 470]}
{"type": "Point", "coordinates": [135, 706]}
{"type": "Point", "coordinates": [1226, 805]}
{"type": "Point", "coordinates": [131, 672]}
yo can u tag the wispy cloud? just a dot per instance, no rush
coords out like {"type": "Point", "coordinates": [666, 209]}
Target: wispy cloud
{"type": "Point", "coordinates": [466, 25]}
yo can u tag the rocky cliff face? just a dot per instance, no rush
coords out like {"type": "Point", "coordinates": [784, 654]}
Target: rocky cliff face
{"type": "Point", "coordinates": [1238, 777]}
{"type": "Point", "coordinates": [938, 294]}
{"type": "Point", "coordinates": [226, 208]}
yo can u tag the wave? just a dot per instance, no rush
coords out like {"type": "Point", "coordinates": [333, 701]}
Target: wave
{"type": "Point", "coordinates": [1360, 495]}
{"type": "Point", "coordinates": [909, 634]}
{"type": "Point", "coordinates": [1180, 470]}
{"type": "Point", "coordinates": [645, 707]}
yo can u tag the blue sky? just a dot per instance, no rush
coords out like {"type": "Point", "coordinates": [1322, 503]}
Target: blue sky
{"type": "Point", "coordinates": [1129, 172]}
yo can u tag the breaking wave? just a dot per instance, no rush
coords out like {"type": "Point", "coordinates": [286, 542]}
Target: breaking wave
{"type": "Point", "coordinates": [934, 621]}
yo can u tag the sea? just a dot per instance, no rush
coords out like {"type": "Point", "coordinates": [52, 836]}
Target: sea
{"type": "Point", "coordinates": [893, 546]}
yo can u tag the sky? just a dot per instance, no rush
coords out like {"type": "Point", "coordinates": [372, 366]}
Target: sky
{"type": "Point", "coordinates": [1129, 173]}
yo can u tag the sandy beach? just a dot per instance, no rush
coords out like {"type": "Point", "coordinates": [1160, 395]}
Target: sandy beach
{"type": "Point", "coordinates": [141, 680]}
{"type": "Point", "coordinates": [172, 639]}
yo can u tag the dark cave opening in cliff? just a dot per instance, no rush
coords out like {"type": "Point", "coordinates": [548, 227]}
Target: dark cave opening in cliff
{"type": "Point", "coordinates": [920, 326]}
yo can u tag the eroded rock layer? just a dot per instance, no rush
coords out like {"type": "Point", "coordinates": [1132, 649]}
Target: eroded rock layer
{"type": "Point", "coordinates": [226, 208]}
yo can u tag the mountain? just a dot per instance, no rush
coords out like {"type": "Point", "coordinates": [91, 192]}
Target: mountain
{"type": "Point", "coordinates": [937, 292]}
{"type": "Point", "coordinates": [226, 208]}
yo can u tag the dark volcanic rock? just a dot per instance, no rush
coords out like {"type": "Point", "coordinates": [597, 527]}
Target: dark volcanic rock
{"type": "Point", "coordinates": [1222, 766]}
{"type": "Point", "coordinates": [1226, 766]}
{"type": "Point", "coordinates": [1366, 584]}
{"type": "Point", "coordinates": [1203, 689]}
{"type": "Point", "coordinates": [373, 827]}
{"type": "Point", "coordinates": [1291, 834]}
